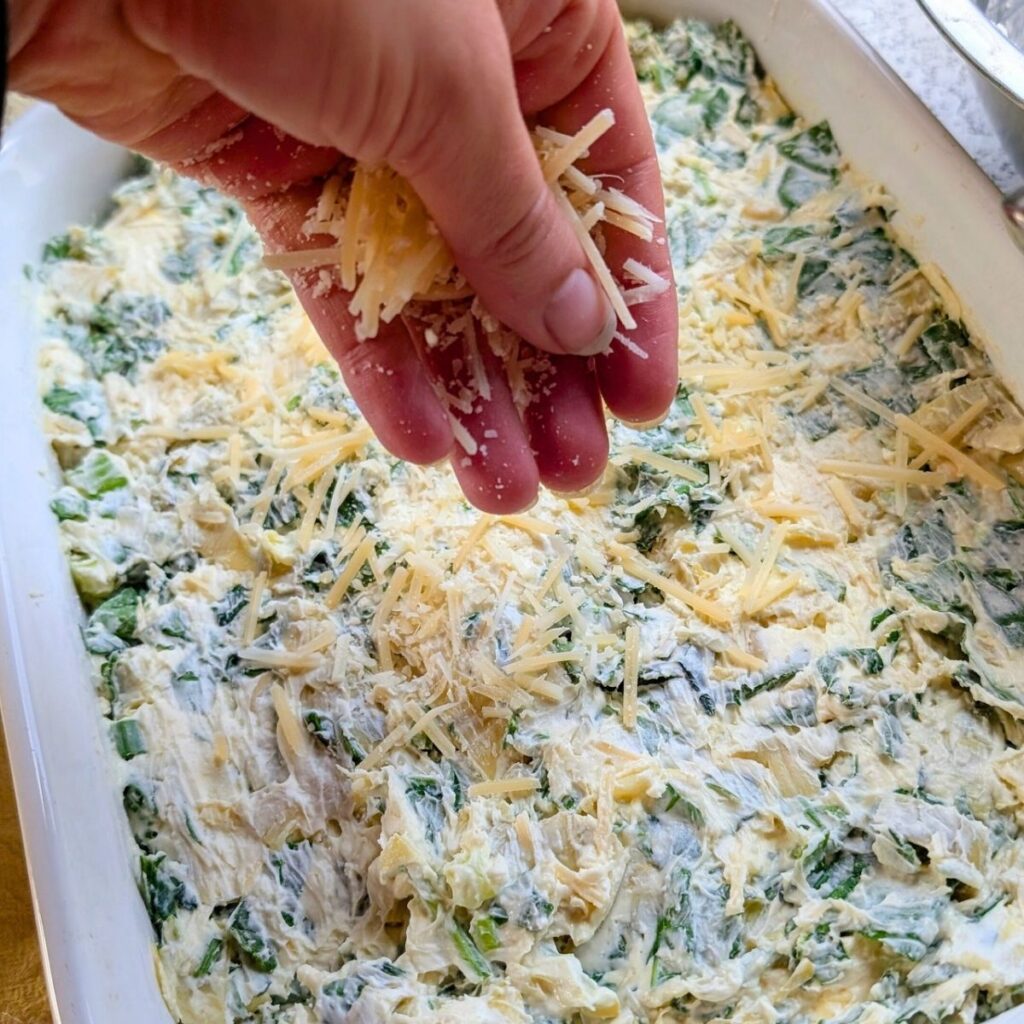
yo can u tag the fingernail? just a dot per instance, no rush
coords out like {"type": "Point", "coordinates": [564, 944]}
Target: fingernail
{"type": "Point", "coordinates": [646, 424]}
{"type": "Point", "coordinates": [579, 316]}
{"type": "Point", "coordinates": [580, 492]}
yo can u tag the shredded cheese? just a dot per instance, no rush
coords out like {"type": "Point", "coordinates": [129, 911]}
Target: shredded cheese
{"type": "Point", "coordinates": [348, 574]}
{"type": "Point", "coordinates": [630, 675]}
{"type": "Point", "coordinates": [261, 505]}
{"type": "Point", "coordinates": [221, 750]}
{"type": "Point", "coordinates": [541, 661]}
{"type": "Point", "coordinates": [557, 162]}
{"type": "Point", "coordinates": [664, 463]}
{"type": "Point", "coordinates": [870, 471]}
{"type": "Point", "coordinates": [901, 462]}
{"type": "Point", "coordinates": [963, 462]}
{"type": "Point", "coordinates": [286, 660]}
{"type": "Point", "coordinates": [479, 528]}
{"type": "Point", "coordinates": [773, 548]}
{"type": "Point", "coordinates": [425, 719]}
{"type": "Point", "coordinates": [744, 659]}
{"type": "Point", "coordinates": [309, 518]}
{"type": "Point", "coordinates": [235, 458]}
{"type": "Point", "coordinates": [883, 412]}
{"type": "Point", "coordinates": [954, 430]}
{"type": "Point", "coordinates": [529, 524]}
{"type": "Point", "coordinates": [549, 577]}
{"type": "Point", "coordinates": [909, 337]}
{"type": "Point", "coordinates": [252, 611]}
{"type": "Point", "coordinates": [291, 730]}
{"type": "Point", "coordinates": [708, 425]}
{"type": "Point", "coordinates": [397, 735]}
{"type": "Point", "coordinates": [300, 258]}
{"type": "Point", "coordinates": [934, 276]}
{"type": "Point", "coordinates": [596, 260]}
{"type": "Point", "coordinates": [511, 786]}
{"type": "Point", "coordinates": [389, 252]}
{"type": "Point", "coordinates": [846, 502]}
{"type": "Point", "coordinates": [671, 588]}
{"type": "Point", "coordinates": [773, 593]}
{"type": "Point", "coordinates": [773, 508]}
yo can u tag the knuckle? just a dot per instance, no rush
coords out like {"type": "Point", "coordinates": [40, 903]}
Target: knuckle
{"type": "Point", "coordinates": [517, 241]}
{"type": "Point", "coordinates": [359, 362]}
{"type": "Point", "coordinates": [458, 84]}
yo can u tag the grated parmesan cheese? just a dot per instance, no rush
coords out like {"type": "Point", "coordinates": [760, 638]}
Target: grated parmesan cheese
{"type": "Point", "coordinates": [630, 673]}
{"type": "Point", "coordinates": [512, 786]}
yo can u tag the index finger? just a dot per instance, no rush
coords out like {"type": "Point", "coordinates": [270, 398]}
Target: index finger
{"type": "Point", "coordinates": [638, 374]}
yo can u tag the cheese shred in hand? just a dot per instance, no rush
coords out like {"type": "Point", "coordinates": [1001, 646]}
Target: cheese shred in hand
{"type": "Point", "coordinates": [390, 252]}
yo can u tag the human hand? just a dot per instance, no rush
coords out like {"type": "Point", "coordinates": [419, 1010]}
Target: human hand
{"type": "Point", "coordinates": [439, 91]}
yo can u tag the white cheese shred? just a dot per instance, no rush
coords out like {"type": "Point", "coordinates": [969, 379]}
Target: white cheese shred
{"type": "Point", "coordinates": [630, 673]}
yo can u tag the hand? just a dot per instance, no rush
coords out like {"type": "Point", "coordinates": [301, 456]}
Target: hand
{"type": "Point", "coordinates": [439, 91]}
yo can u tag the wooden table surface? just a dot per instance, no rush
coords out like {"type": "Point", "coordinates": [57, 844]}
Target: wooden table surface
{"type": "Point", "coordinates": [22, 990]}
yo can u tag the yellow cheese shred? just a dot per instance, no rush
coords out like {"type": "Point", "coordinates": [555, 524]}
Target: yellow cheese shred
{"type": "Point", "coordinates": [954, 430]}
{"type": "Point", "coordinates": [348, 574]}
{"type": "Point", "coordinates": [479, 528]}
{"type": "Point", "coordinates": [294, 734]}
{"type": "Point", "coordinates": [963, 462]}
{"type": "Point", "coordinates": [252, 611]}
{"type": "Point", "coordinates": [847, 503]}
{"type": "Point", "coordinates": [664, 463]}
{"type": "Point", "coordinates": [745, 659]}
{"type": "Point", "coordinates": [630, 675]}
{"type": "Point", "coordinates": [671, 588]}
{"type": "Point", "coordinates": [512, 786]}
{"type": "Point", "coordinates": [870, 471]}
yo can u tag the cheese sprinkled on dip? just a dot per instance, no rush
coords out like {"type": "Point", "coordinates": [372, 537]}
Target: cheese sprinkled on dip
{"type": "Point", "coordinates": [733, 737]}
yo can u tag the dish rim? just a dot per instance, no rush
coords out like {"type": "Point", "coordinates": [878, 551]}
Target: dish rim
{"type": "Point", "coordinates": [74, 970]}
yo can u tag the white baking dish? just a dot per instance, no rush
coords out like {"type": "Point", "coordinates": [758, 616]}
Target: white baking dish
{"type": "Point", "coordinates": [96, 937]}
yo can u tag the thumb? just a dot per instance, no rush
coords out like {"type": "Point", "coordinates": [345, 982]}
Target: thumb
{"type": "Point", "coordinates": [478, 174]}
{"type": "Point", "coordinates": [430, 89]}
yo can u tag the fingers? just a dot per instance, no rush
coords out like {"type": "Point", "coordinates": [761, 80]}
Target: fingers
{"type": "Point", "coordinates": [384, 376]}
{"type": "Point", "coordinates": [639, 372]}
{"type": "Point", "coordinates": [571, 61]}
{"type": "Point", "coordinates": [251, 159]}
{"type": "Point", "coordinates": [429, 89]}
{"type": "Point", "coordinates": [480, 179]}
{"type": "Point", "coordinates": [198, 132]}
{"type": "Point", "coordinates": [638, 378]}
{"type": "Point", "coordinates": [565, 421]}
{"type": "Point", "coordinates": [491, 457]}
{"type": "Point", "coordinates": [278, 180]}
{"type": "Point", "coordinates": [448, 118]}
{"type": "Point", "coordinates": [555, 45]}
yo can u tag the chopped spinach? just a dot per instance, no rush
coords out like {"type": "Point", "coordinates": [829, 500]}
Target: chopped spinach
{"type": "Point", "coordinates": [226, 610]}
{"type": "Point", "coordinates": [163, 892]}
{"type": "Point", "coordinates": [97, 474]}
{"type": "Point", "coordinates": [113, 624]}
{"type": "Point", "coordinates": [69, 504]}
{"type": "Point", "coordinates": [474, 964]}
{"type": "Point", "coordinates": [210, 956]}
{"type": "Point", "coordinates": [117, 333]}
{"type": "Point", "coordinates": [251, 939]}
{"type": "Point", "coordinates": [84, 402]}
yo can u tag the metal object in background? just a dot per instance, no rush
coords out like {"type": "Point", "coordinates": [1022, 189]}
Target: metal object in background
{"type": "Point", "coordinates": [990, 35]}
{"type": "Point", "coordinates": [1013, 206]}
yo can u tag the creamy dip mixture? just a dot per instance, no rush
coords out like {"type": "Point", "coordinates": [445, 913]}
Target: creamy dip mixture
{"type": "Point", "coordinates": [733, 737]}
